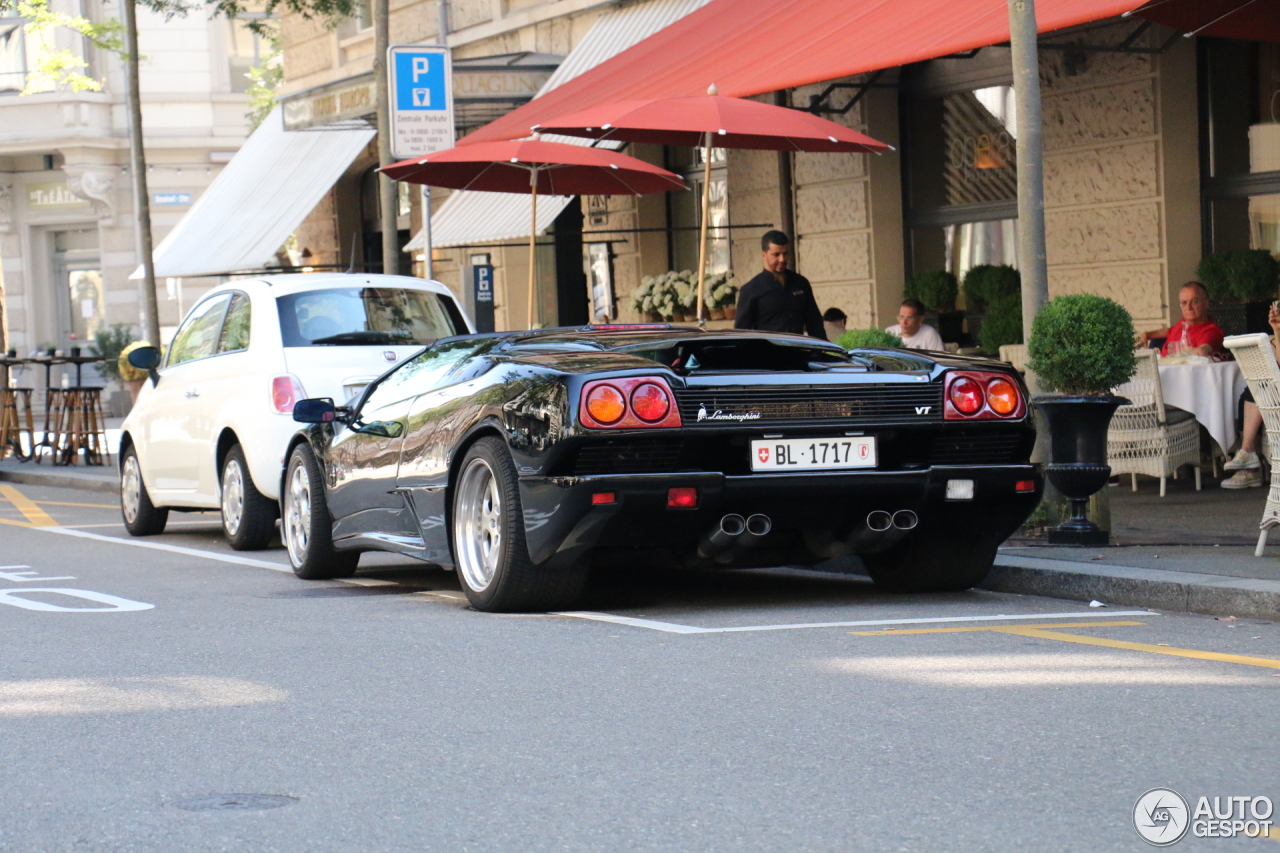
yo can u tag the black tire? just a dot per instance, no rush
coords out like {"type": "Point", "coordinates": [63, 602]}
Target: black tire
{"type": "Point", "coordinates": [930, 563]}
{"type": "Point", "coordinates": [305, 524]}
{"type": "Point", "coordinates": [248, 518]}
{"type": "Point", "coordinates": [501, 577]}
{"type": "Point", "coordinates": [141, 517]}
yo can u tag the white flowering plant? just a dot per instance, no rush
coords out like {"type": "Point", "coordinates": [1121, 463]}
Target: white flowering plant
{"type": "Point", "coordinates": [673, 294]}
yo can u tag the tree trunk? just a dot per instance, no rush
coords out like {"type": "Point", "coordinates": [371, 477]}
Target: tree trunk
{"type": "Point", "coordinates": [386, 187]}
{"type": "Point", "coordinates": [141, 198]}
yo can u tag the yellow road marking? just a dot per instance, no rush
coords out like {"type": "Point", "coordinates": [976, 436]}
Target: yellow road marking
{"type": "Point", "coordinates": [67, 503]}
{"type": "Point", "coordinates": [1023, 631]}
{"type": "Point", "coordinates": [33, 513]}
{"type": "Point", "coordinates": [888, 632]}
{"type": "Point", "coordinates": [15, 523]}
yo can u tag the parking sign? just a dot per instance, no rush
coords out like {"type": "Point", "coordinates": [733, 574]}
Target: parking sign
{"type": "Point", "coordinates": [421, 99]}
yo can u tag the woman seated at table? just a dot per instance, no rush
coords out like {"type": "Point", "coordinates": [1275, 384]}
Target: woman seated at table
{"type": "Point", "coordinates": [1246, 464]}
{"type": "Point", "coordinates": [1196, 332]}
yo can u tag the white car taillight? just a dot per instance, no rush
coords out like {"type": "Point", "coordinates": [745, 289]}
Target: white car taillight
{"type": "Point", "coordinates": [285, 391]}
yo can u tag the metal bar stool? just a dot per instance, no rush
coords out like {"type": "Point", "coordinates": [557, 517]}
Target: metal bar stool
{"type": "Point", "coordinates": [81, 428]}
{"type": "Point", "coordinates": [55, 404]}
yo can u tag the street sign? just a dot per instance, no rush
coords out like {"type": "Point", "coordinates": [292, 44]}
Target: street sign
{"type": "Point", "coordinates": [421, 95]}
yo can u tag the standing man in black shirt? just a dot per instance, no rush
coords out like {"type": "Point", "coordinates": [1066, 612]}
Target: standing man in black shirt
{"type": "Point", "coordinates": [778, 300]}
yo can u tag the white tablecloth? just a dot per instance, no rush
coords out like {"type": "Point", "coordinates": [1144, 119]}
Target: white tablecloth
{"type": "Point", "coordinates": [1208, 391]}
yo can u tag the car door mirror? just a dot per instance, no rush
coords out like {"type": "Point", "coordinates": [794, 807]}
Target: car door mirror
{"type": "Point", "coordinates": [148, 359]}
{"type": "Point", "coordinates": [315, 411]}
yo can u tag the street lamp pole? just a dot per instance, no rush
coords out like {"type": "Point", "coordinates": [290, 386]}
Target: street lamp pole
{"type": "Point", "coordinates": [1032, 262]}
{"type": "Point", "coordinates": [141, 199]}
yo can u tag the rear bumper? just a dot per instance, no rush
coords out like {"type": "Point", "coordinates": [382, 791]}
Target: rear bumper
{"type": "Point", "coordinates": [815, 515]}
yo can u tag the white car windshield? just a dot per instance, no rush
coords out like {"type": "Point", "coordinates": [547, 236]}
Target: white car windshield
{"type": "Point", "coordinates": [351, 316]}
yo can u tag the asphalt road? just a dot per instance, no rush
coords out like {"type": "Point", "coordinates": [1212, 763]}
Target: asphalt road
{"type": "Point", "coordinates": [383, 714]}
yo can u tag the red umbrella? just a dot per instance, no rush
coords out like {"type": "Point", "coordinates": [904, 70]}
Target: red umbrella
{"type": "Point", "coordinates": [1241, 19]}
{"type": "Point", "coordinates": [712, 121]}
{"type": "Point", "coordinates": [534, 166]}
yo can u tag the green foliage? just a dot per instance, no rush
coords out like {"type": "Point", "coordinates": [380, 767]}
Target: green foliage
{"type": "Point", "coordinates": [1002, 324]}
{"type": "Point", "coordinates": [984, 284]}
{"type": "Point", "coordinates": [1082, 345]}
{"type": "Point", "coordinates": [859, 338]}
{"type": "Point", "coordinates": [264, 80]}
{"type": "Point", "coordinates": [1240, 276]}
{"type": "Point", "coordinates": [108, 344]}
{"type": "Point", "coordinates": [937, 289]}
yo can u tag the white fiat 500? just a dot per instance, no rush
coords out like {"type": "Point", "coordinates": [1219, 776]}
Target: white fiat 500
{"type": "Point", "coordinates": [209, 431]}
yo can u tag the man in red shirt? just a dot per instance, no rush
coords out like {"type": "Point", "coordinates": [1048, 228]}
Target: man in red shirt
{"type": "Point", "coordinates": [1203, 335]}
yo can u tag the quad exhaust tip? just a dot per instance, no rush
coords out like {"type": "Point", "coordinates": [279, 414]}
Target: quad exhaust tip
{"type": "Point", "coordinates": [905, 519]}
{"type": "Point", "coordinates": [733, 524]}
{"type": "Point", "coordinates": [759, 525]}
{"type": "Point", "coordinates": [880, 520]}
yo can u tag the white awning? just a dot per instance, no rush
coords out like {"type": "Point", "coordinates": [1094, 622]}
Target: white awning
{"type": "Point", "coordinates": [271, 184]}
{"type": "Point", "coordinates": [479, 218]}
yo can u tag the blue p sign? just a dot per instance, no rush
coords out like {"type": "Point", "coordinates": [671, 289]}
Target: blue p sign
{"type": "Point", "coordinates": [420, 81]}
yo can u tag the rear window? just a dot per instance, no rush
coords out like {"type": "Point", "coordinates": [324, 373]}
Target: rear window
{"type": "Point", "coordinates": [351, 316]}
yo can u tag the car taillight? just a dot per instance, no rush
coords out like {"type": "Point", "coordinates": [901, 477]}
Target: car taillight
{"type": "Point", "coordinates": [650, 402]}
{"type": "Point", "coordinates": [606, 405]}
{"type": "Point", "coordinates": [966, 395]}
{"type": "Point", "coordinates": [633, 402]}
{"type": "Point", "coordinates": [981, 395]}
{"type": "Point", "coordinates": [285, 391]}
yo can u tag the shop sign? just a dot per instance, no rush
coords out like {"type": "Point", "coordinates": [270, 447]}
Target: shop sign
{"type": "Point", "coordinates": [506, 84]}
{"type": "Point", "coordinates": [53, 195]}
{"type": "Point", "coordinates": [353, 99]}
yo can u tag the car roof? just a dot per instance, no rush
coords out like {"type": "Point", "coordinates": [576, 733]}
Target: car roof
{"type": "Point", "coordinates": [284, 284]}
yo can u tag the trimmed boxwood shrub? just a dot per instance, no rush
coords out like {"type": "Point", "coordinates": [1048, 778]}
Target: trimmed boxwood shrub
{"type": "Point", "coordinates": [984, 284]}
{"type": "Point", "coordinates": [1082, 345]}
{"type": "Point", "coordinates": [937, 289]}
{"type": "Point", "coordinates": [856, 338]}
{"type": "Point", "coordinates": [1002, 324]}
{"type": "Point", "coordinates": [1245, 275]}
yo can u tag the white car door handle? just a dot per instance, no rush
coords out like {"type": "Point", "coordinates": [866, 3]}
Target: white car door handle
{"type": "Point", "coordinates": [192, 393]}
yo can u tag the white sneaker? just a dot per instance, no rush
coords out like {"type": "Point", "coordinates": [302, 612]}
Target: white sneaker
{"type": "Point", "coordinates": [1244, 480]}
{"type": "Point", "coordinates": [1244, 460]}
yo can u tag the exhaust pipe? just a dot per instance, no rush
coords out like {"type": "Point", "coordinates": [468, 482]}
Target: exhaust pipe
{"type": "Point", "coordinates": [758, 527]}
{"type": "Point", "coordinates": [905, 519]}
{"type": "Point", "coordinates": [723, 536]}
{"type": "Point", "coordinates": [878, 521]}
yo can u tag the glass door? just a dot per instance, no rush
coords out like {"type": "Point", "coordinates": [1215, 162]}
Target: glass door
{"type": "Point", "coordinates": [77, 272]}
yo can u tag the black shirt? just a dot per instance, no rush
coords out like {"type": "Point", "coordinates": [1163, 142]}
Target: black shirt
{"type": "Point", "coordinates": [768, 306]}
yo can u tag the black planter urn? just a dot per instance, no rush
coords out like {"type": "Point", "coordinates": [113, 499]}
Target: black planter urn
{"type": "Point", "coordinates": [1078, 460]}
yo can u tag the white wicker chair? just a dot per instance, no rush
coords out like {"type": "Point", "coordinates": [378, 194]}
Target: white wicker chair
{"type": "Point", "coordinates": [1257, 360]}
{"type": "Point", "coordinates": [1144, 437]}
{"type": "Point", "coordinates": [1015, 354]}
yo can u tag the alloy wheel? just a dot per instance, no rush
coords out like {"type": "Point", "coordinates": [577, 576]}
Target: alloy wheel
{"type": "Point", "coordinates": [131, 488]}
{"type": "Point", "coordinates": [297, 514]}
{"type": "Point", "coordinates": [232, 497]}
{"type": "Point", "coordinates": [478, 524]}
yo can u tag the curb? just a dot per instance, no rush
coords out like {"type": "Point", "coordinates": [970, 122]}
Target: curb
{"type": "Point", "coordinates": [68, 480]}
{"type": "Point", "coordinates": [1187, 592]}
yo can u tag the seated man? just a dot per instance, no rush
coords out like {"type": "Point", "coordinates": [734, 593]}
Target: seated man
{"type": "Point", "coordinates": [833, 321]}
{"type": "Point", "coordinates": [911, 328]}
{"type": "Point", "coordinates": [1198, 334]}
{"type": "Point", "coordinates": [1246, 464]}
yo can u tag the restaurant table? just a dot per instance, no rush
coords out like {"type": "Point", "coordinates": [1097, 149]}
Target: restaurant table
{"type": "Point", "coordinates": [1210, 391]}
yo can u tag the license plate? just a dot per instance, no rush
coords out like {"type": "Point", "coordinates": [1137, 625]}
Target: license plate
{"type": "Point", "coordinates": [813, 454]}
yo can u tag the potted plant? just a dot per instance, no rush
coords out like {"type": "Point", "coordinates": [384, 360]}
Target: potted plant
{"type": "Point", "coordinates": [937, 290]}
{"type": "Point", "coordinates": [868, 338]}
{"type": "Point", "coordinates": [983, 286]}
{"type": "Point", "coordinates": [1241, 285]}
{"type": "Point", "coordinates": [1082, 347]}
{"type": "Point", "coordinates": [108, 344]}
{"type": "Point", "coordinates": [1002, 324]}
{"type": "Point", "coordinates": [722, 296]}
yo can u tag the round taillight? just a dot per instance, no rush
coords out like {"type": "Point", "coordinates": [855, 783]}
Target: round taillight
{"type": "Point", "coordinates": [966, 396]}
{"type": "Point", "coordinates": [1002, 397]}
{"type": "Point", "coordinates": [650, 402]}
{"type": "Point", "coordinates": [606, 404]}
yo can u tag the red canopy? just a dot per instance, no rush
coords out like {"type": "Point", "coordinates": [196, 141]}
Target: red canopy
{"type": "Point", "coordinates": [1257, 20]}
{"type": "Point", "coordinates": [747, 47]}
{"type": "Point", "coordinates": [733, 123]}
{"type": "Point", "coordinates": [557, 168]}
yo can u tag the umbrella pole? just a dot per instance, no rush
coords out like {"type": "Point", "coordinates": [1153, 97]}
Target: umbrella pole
{"type": "Point", "coordinates": [702, 246]}
{"type": "Point", "coordinates": [533, 234]}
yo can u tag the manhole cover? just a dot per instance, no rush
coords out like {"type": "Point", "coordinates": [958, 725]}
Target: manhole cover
{"type": "Point", "coordinates": [234, 802]}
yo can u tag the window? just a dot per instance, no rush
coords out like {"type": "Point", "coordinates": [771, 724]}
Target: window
{"type": "Point", "coordinates": [235, 329]}
{"type": "Point", "coordinates": [198, 336]}
{"type": "Point", "coordinates": [367, 315]}
{"type": "Point", "coordinates": [686, 210]}
{"type": "Point", "coordinates": [13, 58]}
{"type": "Point", "coordinates": [1240, 144]}
{"type": "Point", "coordinates": [434, 368]}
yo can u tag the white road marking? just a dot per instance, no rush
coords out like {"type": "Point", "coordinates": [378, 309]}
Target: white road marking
{"type": "Point", "coordinates": [675, 628]}
{"type": "Point", "coordinates": [173, 549]}
{"type": "Point", "coordinates": [116, 604]}
{"type": "Point", "coordinates": [25, 577]}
